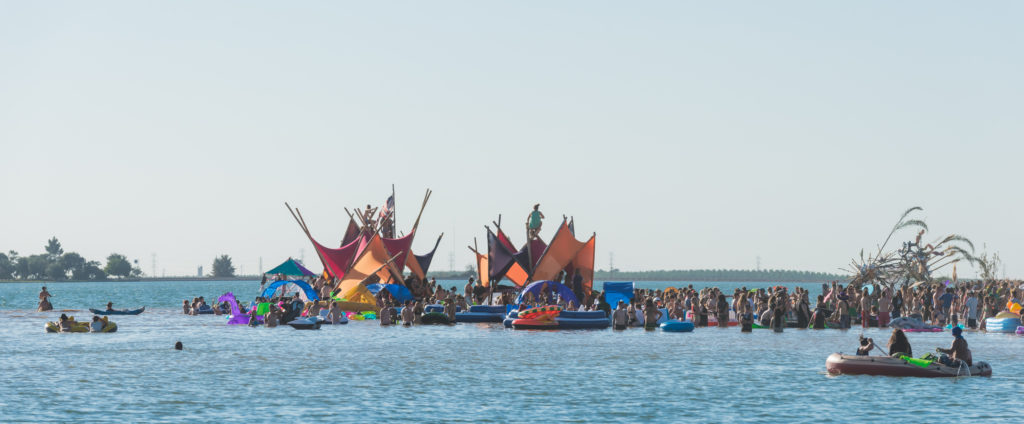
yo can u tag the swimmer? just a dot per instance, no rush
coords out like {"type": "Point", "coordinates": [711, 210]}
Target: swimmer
{"type": "Point", "coordinates": [407, 314]}
{"type": "Point", "coordinates": [178, 345]}
{"type": "Point", "coordinates": [651, 315]}
{"type": "Point", "coordinates": [44, 302]}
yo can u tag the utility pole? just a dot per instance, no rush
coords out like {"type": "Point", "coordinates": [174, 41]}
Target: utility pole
{"type": "Point", "coordinates": [759, 263]}
{"type": "Point", "coordinates": [611, 265]}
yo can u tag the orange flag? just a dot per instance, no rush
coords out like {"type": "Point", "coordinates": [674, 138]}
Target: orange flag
{"type": "Point", "coordinates": [482, 266]}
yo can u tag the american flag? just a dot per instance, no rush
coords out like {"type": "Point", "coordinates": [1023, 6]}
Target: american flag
{"type": "Point", "coordinates": [389, 205]}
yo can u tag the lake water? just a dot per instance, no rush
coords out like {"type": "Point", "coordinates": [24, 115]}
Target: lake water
{"type": "Point", "coordinates": [463, 373]}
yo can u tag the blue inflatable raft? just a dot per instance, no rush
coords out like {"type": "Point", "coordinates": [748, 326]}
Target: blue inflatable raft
{"type": "Point", "coordinates": [676, 326]}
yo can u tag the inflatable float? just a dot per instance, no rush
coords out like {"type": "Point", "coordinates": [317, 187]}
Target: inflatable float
{"type": "Point", "coordinates": [79, 327]}
{"type": "Point", "coordinates": [482, 313]}
{"type": "Point", "coordinates": [121, 311]}
{"type": "Point", "coordinates": [924, 330]}
{"type": "Point", "coordinates": [903, 366]}
{"type": "Point", "coordinates": [676, 326]}
{"type": "Point", "coordinates": [1004, 322]}
{"type": "Point", "coordinates": [1020, 330]}
{"type": "Point", "coordinates": [713, 320]}
{"type": "Point", "coordinates": [565, 320]}
{"type": "Point", "coordinates": [435, 318]}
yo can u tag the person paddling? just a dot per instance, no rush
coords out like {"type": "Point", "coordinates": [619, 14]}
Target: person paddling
{"type": "Point", "coordinates": [957, 352]}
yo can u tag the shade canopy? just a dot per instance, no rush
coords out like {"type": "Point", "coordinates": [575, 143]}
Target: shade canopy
{"type": "Point", "coordinates": [537, 286]}
{"type": "Point", "coordinates": [398, 291]}
{"type": "Point", "coordinates": [291, 267]}
{"type": "Point", "coordinates": [307, 291]}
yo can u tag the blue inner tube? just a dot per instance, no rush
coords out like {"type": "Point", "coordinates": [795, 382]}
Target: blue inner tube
{"type": "Point", "coordinates": [676, 326]}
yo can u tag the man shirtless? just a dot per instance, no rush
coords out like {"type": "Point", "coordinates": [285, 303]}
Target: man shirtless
{"type": "Point", "coordinates": [44, 302]}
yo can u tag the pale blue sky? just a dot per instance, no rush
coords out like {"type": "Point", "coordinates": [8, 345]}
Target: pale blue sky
{"type": "Point", "coordinates": [686, 134]}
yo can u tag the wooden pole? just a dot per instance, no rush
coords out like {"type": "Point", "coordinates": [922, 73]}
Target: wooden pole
{"type": "Point", "coordinates": [394, 212]}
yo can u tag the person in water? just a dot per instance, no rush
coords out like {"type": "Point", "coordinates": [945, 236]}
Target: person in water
{"type": "Point", "coordinates": [746, 319]}
{"type": "Point", "coordinates": [407, 314]}
{"type": "Point", "coordinates": [44, 301]}
{"type": "Point", "coordinates": [651, 315]}
{"type": "Point", "coordinates": [534, 222]}
{"type": "Point", "coordinates": [178, 345]}
{"type": "Point", "coordinates": [620, 318]}
{"type": "Point", "coordinates": [899, 345]}
{"type": "Point", "coordinates": [866, 346]}
{"type": "Point", "coordinates": [957, 352]}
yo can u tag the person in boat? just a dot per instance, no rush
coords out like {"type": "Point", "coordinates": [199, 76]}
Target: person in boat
{"type": "Point", "coordinates": [957, 352]}
{"type": "Point", "coordinates": [110, 306]}
{"type": "Point", "coordinates": [534, 222]}
{"type": "Point", "coordinates": [899, 345]}
{"type": "Point", "coordinates": [96, 326]}
{"type": "Point", "coordinates": [620, 318]}
{"type": "Point", "coordinates": [651, 315]}
{"type": "Point", "coordinates": [746, 318]}
{"type": "Point", "coordinates": [866, 346]}
{"type": "Point", "coordinates": [64, 324]}
{"type": "Point", "coordinates": [44, 301]}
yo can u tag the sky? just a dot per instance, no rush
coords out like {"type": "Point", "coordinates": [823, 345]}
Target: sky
{"type": "Point", "coordinates": [686, 135]}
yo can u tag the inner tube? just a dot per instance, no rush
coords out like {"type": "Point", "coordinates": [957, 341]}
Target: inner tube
{"type": "Point", "coordinates": [676, 326]}
{"type": "Point", "coordinates": [435, 318]}
{"type": "Point", "coordinates": [534, 324]}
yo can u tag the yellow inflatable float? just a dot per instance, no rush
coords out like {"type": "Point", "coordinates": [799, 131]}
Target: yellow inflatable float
{"type": "Point", "coordinates": [80, 326]}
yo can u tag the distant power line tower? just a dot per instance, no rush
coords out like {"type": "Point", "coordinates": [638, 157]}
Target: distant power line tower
{"type": "Point", "coordinates": [758, 263]}
{"type": "Point", "coordinates": [611, 264]}
{"type": "Point", "coordinates": [154, 265]}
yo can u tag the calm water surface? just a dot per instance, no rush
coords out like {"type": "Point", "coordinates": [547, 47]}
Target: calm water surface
{"type": "Point", "coordinates": [465, 373]}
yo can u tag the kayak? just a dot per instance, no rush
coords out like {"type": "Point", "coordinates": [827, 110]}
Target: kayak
{"type": "Point", "coordinates": [121, 311]}
{"type": "Point", "coordinates": [903, 366]}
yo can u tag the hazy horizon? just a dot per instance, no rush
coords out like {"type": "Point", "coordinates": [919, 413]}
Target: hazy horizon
{"type": "Point", "coordinates": [686, 135]}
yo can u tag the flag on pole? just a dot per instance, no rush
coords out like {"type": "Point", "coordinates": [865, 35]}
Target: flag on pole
{"type": "Point", "coordinates": [389, 205]}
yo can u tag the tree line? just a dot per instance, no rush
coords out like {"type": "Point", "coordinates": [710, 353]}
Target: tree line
{"type": "Point", "coordinates": [57, 265]}
{"type": "Point", "coordinates": [738, 275]}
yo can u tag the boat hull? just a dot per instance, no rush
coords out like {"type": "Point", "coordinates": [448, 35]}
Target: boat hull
{"type": "Point", "coordinates": [896, 367]}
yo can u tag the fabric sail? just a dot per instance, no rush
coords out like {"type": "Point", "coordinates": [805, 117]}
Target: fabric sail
{"type": "Point", "coordinates": [481, 269]}
{"type": "Point", "coordinates": [372, 258]}
{"type": "Point", "coordinates": [499, 258]}
{"type": "Point", "coordinates": [420, 264]}
{"type": "Point", "coordinates": [336, 261]}
{"type": "Point", "coordinates": [584, 263]}
{"type": "Point", "coordinates": [401, 247]}
{"type": "Point", "coordinates": [351, 233]}
{"type": "Point", "coordinates": [560, 253]}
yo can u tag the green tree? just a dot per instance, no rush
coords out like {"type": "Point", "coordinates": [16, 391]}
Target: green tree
{"type": "Point", "coordinates": [222, 267]}
{"type": "Point", "coordinates": [53, 249]}
{"type": "Point", "coordinates": [90, 271]}
{"type": "Point", "coordinates": [55, 271]}
{"type": "Point", "coordinates": [6, 267]}
{"type": "Point", "coordinates": [118, 265]}
{"type": "Point", "coordinates": [72, 261]}
{"type": "Point", "coordinates": [37, 265]}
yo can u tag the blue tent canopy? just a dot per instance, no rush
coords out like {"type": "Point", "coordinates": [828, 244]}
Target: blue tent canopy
{"type": "Point", "coordinates": [306, 289]}
{"type": "Point", "coordinates": [537, 286]}
{"type": "Point", "coordinates": [616, 291]}
{"type": "Point", "coordinates": [398, 291]}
